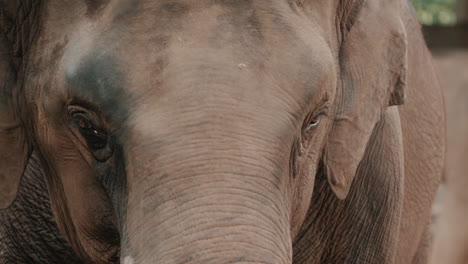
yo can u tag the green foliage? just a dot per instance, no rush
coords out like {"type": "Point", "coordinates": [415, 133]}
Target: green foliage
{"type": "Point", "coordinates": [436, 12]}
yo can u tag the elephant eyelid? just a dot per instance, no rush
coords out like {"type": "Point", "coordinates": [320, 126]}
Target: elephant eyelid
{"type": "Point", "coordinates": [314, 121]}
{"type": "Point", "coordinates": [322, 113]}
{"type": "Point", "coordinates": [84, 123]}
{"type": "Point", "coordinates": [82, 116]}
{"type": "Point", "coordinates": [95, 137]}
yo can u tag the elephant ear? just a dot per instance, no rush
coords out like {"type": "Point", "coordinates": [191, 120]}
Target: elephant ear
{"type": "Point", "coordinates": [14, 146]}
{"type": "Point", "coordinates": [373, 58]}
{"type": "Point", "coordinates": [14, 151]}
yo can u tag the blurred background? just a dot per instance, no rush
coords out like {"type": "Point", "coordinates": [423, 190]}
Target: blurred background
{"type": "Point", "coordinates": [445, 27]}
{"type": "Point", "coordinates": [445, 22]}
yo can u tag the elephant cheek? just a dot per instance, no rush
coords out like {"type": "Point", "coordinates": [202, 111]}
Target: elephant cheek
{"type": "Point", "coordinates": [302, 186]}
{"type": "Point", "coordinates": [84, 213]}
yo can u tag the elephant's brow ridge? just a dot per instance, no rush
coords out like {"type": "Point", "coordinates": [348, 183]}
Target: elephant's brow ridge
{"type": "Point", "coordinates": [97, 79]}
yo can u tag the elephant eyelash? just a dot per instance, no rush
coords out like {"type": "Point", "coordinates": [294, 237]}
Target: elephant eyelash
{"type": "Point", "coordinates": [314, 121]}
{"type": "Point", "coordinates": [99, 141]}
{"type": "Point", "coordinates": [310, 126]}
{"type": "Point", "coordinates": [95, 137]}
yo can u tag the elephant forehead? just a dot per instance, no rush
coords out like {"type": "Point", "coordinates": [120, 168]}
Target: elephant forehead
{"type": "Point", "coordinates": [239, 48]}
{"type": "Point", "coordinates": [98, 80]}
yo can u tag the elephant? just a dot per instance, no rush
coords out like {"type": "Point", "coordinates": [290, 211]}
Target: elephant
{"type": "Point", "coordinates": [451, 230]}
{"type": "Point", "coordinates": [217, 131]}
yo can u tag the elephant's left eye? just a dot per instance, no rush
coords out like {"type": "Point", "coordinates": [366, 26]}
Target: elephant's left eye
{"type": "Point", "coordinates": [314, 121]}
{"type": "Point", "coordinates": [95, 138]}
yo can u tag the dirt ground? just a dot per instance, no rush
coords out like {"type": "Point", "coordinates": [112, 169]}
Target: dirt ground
{"type": "Point", "coordinates": [453, 70]}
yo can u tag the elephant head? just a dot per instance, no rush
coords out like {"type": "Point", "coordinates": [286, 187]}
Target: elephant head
{"type": "Point", "coordinates": [191, 131]}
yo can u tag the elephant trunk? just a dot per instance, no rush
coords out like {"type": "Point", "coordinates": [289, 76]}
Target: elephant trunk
{"type": "Point", "coordinates": [208, 198]}
{"type": "Point", "coordinates": [212, 217]}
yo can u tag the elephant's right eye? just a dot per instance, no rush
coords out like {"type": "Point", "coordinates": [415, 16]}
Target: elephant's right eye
{"type": "Point", "coordinates": [95, 138]}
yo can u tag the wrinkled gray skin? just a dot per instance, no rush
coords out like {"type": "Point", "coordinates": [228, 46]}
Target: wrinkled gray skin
{"type": "Point", "coordinates": [216, 131]}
